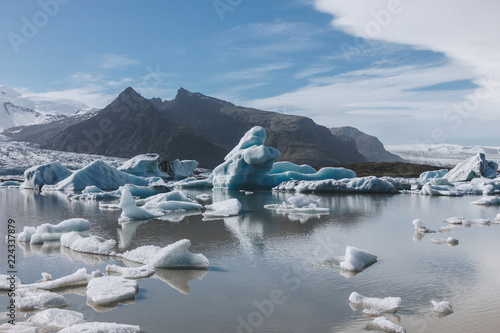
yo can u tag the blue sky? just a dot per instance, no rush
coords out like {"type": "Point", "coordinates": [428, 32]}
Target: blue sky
{"type": "Point", "coordinates": [405, 71]}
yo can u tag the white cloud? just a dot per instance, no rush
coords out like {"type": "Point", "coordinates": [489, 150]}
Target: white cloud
{"type": "Point", "coordinates": [110, 61]}
{"type": "Point", "coordinates": [255, 72]}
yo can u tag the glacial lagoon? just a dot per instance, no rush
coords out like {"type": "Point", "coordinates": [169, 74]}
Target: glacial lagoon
{"type": "Point", "coordinates": [271, 272]}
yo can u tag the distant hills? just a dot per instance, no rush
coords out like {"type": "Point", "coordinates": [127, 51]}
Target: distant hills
{"type": "Point", "coordinates": [191, 126]}
{"type": "Point", "coordinates": [369, 146]}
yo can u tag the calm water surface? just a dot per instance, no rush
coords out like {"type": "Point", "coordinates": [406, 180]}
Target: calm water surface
{"type": "Point", "coordinates": [260, 257]}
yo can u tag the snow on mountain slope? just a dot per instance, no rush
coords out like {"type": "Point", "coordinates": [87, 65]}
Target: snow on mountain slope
{"type": "Point", "coordinates": [17, 109]}
{"type": "Point", "coordinates": [445, 155]}
{"type": "Point", "coordinates": [15, 157]}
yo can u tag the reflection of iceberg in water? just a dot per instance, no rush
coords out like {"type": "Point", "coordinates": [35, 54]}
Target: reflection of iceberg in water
{"type": "Point", "coordinates": [249, 233]}
{"type": "Point", "coordinates": [44, 249]}
{"type": "Point", "coordinates": [87, 258]}
{"type": "Point", "coordinates": [302, 218]}
{"type": "Point", "coordinates": [178, 216]}
{"type": "Point", "coordinates": [109, 307]}
{"type": "Point", "coordinates": [179, 278]}
{"type": "Point", "coordinates": [127, 232]}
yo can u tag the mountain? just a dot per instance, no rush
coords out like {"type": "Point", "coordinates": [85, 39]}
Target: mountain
{"type": "Point", "coordinates": [299, 139]}
{"type": "Point", "coordinates": [19, 110]}
{"type": "Point", "coordinates": [369, 146]}
{"type": "Point", "coordinates": [191, 126]}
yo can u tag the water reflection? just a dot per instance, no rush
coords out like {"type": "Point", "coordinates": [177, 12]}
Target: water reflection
{"type": "Point", "coordinates": [87, 258]}
{"type": "Point", "coordinates": [179, 278]}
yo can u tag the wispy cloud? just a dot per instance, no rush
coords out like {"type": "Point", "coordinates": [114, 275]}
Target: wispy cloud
{"type": "Point", "coordinates": [111, 61]}
{"type": "Point", "coordinates": [255, 72]}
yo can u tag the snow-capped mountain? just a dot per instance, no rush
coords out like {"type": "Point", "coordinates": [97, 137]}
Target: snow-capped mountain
{"type": "Point", "coordinates": [445, 155]}
{"type": "Point", "coordinates": [19, 110]}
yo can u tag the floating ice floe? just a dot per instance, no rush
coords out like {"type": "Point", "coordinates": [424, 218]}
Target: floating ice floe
{"type": "Point", "coordinates": [444, 190]}
{"type": "Point", "coordinates": [456, 220]}
{"type": "Point", "coordinates": [103, 176]}
{"type": "Point", "coordinates": [442, 307]}
{"type": "Point", "coordinates": [204, 197]}
{"type": "Point", "coordinates": [132, 272]}
{"type": "Point", "coordinates": [450, 241]}
{"type": "Point", "coordinates": [497, 218]}
{"type": "Point", "coordinates": [50, 232]}
{"type": "Point", "coordinates": [420, 226]}
{"type": "Point", "coordinates": [107, 290]}
{"type": "Point", "coordinates": [373, 305]}
{"type": "Point", "coordinates": [97, 327]}
{"type": "Point", "coordinates": [174, 201]}
{"type": "Point", "coordinates": [369, 184]}
{"type": "Point", "coordinates": [90, 244]}
{"type": "Point", "coordinates": [176, 255]}
{"type": "Point", "coordinates": [356, 260]}
{"type": "Point", "coordinates": [79, 278]}
{"type": "Point", "coordinates": [47, 174]}
{"type": "Point", "coordinates": [299, 204]}
{"type": "Point", "coordinates": [487, 201]}
{"type": "Point", "coordinates": [9, 281]}
{"type": "Point", "coordinates": [29, 299]}
{"type": "Point", "coordinates": [474, 167]}
{"type": "Point", "coordinates": [10, 184]}
{"type": "Point", "coordinates": [226, 208]}
{"type": "Point", "coordinates": [56, 318]}
{"type": "Point", "coordinates": [383, 324]}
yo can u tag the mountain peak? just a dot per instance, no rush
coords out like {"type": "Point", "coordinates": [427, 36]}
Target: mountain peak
{"type": "Point", "coordinates": [6, 91]}
{"type": "Point", "coordinates": [184, 94]}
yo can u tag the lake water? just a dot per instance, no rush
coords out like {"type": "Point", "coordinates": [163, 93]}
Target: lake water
{"type": "Point", "coordinates": [273, 273]}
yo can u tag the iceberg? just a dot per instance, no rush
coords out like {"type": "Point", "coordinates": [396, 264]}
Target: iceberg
{"type": "Point", "coordinates": [145, 165]}
{"type": "Point", "coordinates": [50, 232]}
{"type": "Point", "coordinates": [90, 244]}
{"type": "Point", "coordinates": [47, 174]}
{"type": "Point", "coordinates": [487, 201]}
{"type": "Point", "coordinates": [247, 165]}
{"type": "Point", "coordinates": [384, 324]}
{"type": "Point", "coordinates": [428, 175]}
{"type": "Point", "coordinates": [368, 184]}
{"type": "Point", "coordinates": [281, 167]}
{"type": "Point", "coordinates": [103, 176]}
{"type": "Point", "coordinates": [450, 241]}
{"type": "Point", "coordinates": [132, 272]}
{"type": "Point", "coordinates": [57, 318]}
{"type": "Point", "coordinates": [170, 202]}
{"type": "Point", "coordinates": [497, 218]}
{"type": "Point", "coordinates": [474, 167]}
{"type": "Point", "coordinates": [29, 299]}
{"type": "Point", "coordinates": [180, 169]}
{"type": "Point", "coordinates": [356, 260]}
{"type": "Point", "coordinates": [111, 289]}
{"type": "Point", "coordinates": [442, 307]}
{"type": "Point", "coordinates": [175, 255]}
{"type": "Point", "coordinates": [226, 208]}
{"type": "Point", "coordinates": [420, 226]}
{"type": "Point", "coordinates": [10, 184]}
{"type": "Point", "coordinates": [445, 190]}
{"type": "Point", "coordinates": [130, 211]}
{"type": "Point", "coordinates": [456, 220]}
{"type": "Point", "coordinates": [373, 305]}
{"type": "Point", "coordinates": [204, 197]}
{"type": "Point", "coordinates": [97, 327]}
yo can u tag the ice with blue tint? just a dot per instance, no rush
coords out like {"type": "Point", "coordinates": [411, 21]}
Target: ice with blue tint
{"type": "Point", "coordinates": [280, 167]}
{"type": "Point", "coordinates": [170, 202]}
{"type": "Point", "coordinates": [145, 165]}
{"type": "Point", "coordinates": [103, 176]}
{"type": "Point", "coordinates": [130, 211]}
{"type": "Point", "coordinates": [226, 208]}
{"type": "Point", "coordinates": [369, 184]}
{"type": "Point", "coordinates": [428, 175]}
{"type": "Point", "coordinates": [111, 289]}
{"type": "Point", "coordinates": [47, 174]}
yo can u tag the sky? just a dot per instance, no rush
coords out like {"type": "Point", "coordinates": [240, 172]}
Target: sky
{"type": "Point", "coordinates": [405, 71]}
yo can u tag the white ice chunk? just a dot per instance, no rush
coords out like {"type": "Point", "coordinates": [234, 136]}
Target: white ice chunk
{"type": "Point", "coordinates": [132, 272]}
{"type": "Point", "coordinates": [91, 244]}
{"type": "Point", "coordinates": [204, 197]}
{"type": "Point", "coordinates": [444, 190]}
{"type": "Point", "coordinates": [384, 324]}
{"type": "Point", "coordinates": [20, 327]}
{"type": "Point", "coordinates": [79, 278]}
{"type": "Point", "coordinates": [37, 176]}
{"type": "Point", "coordinates": [497, 218]}
{"type": "Point", "coordinates": [369, 184]}
{"type": "Point", "coordinates": [442, 307]}
{"type": "Point", "coordinates": [97, 327]}
{"type": "Point", "coordinates": [481, 222]}
{"type": "Point", "coordinates": [420, 226]}
{"type": "Point", "coordinates": [487, 201]}
{"type": "Point", "coordinates": [111, 289]}
{"type": "Point", "coordinates": [356, 260]}
{"type": "Point", "coordinates": [8, 282]}
{"type": "Point", "coordinates": [176, 255]}
{"type": "Point", "coordinates": [103, 176]}
{"type": "Point", "coordinates": [476, 166]}
{"type": "Point", "coordinates": [130, 211]}
{"type": "Point", "coordinates": [50, 232]}
{"type": "Point", "coordinates": [171, 202]}
{"type": "Point", "coordinates": [29, 299]}
{"type": "Point", "coordinates": [375, 305]}
{"type": "Point", "coordinates": [57, 318]}
{"type": "Point", "coordinates": [226, 208]}
{"type": "Point", "coordinates": [299, 204]}
{"type": "Point", "coordinates": [456, 220]}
